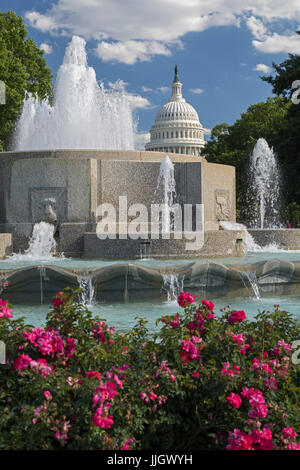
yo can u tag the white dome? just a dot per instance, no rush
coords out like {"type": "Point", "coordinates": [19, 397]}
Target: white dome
{"type": "Point", "coordinates": [177, 128]}
{"type": "Point", "coordinates": [177, 111]}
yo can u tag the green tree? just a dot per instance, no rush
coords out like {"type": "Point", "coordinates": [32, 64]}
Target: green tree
{"type": "Point", "coordinates": [23, 70]}
{"type": "Point", "coordinates": [286, 74]}
{"type": "Point", "coordinates": [232, 145]}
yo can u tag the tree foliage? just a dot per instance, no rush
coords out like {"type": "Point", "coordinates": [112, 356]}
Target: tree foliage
{"type": "Point", "coordinates": [286, 74]}
{"type": "Point", "coordinates": [23, 70]}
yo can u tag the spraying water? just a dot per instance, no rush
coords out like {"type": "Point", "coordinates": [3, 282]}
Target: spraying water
{"type": "Point", "coordinates": [84, 115]}
{"type": "Point", "coordinates": [265, 184]}
{"type": "Point", "coordinates": [166, 191]}
{"type": "Point", "coordinates": [42, 245]}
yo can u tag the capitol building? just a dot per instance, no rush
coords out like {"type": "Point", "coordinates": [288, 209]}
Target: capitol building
{"type": "Point", "coordinates": [177, 128]}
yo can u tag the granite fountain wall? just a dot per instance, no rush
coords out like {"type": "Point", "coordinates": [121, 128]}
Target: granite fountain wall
{"type": "Point", "coordinates": [124, 282]}
{"type": "Point", "coordinates": [68, 185]}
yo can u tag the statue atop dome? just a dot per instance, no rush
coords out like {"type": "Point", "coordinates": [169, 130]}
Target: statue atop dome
{"type": "Point", "coordinates": [176, 79]}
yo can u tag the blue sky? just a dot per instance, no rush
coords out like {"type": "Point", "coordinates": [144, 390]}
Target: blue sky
{"type": "Point", "coordinates": [221, 47]}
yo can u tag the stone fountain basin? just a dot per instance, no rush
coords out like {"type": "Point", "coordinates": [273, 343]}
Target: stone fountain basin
{"type": "Point", "coordinates": [123, 282]}
{"type": "Point", "coordinates": [76, 182]}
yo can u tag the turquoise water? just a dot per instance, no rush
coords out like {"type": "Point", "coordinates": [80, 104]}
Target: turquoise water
{"type": "Point", "coordinates": [250, 258]}
{"type": "Point", "coordinates": [122, 315]}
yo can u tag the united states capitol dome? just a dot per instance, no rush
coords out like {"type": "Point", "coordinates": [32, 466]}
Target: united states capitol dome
{"type": "Point", "coordinates": [177, 128]}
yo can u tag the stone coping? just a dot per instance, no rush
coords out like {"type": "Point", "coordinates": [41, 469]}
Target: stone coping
{"type": "Point", "coordinates": [6, 245]}
{"type": "Point", "coordinates": [127, 281]}
{"type": "Point", "coordinates": [128, 155]}
{"type": "Point", "coordinates": [279, 269]}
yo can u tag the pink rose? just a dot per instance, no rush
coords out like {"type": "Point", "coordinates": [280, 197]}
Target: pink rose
{"type": "Point", "coordinates": [234, 399]}
{"type": "Point", "coordinates": [22, 361]}
{"type": "Point", "coordinates": [237, 316]}
{"type": "Point", "coordinates": [289, 433]}
{"type": "Point", "coordinates": [47, 395]}
{"type": "Point", "coordinates": [185, 299]}
{"type": "Point", "coordinates": [208, 304]}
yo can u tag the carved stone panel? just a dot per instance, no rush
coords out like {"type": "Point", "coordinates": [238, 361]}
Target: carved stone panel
{"type": "Point", "coordinates": [48, 205]}
{"type": "Point", "coordinates": [222, 204]}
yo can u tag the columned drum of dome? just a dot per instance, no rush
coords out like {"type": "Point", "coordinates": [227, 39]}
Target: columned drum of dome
{"type": "Point", "coordinates": [177, 128]}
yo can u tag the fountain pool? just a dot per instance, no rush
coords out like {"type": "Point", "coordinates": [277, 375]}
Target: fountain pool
{"type": "Point", "coordinates": [122, 315]}
{"type": "Point", "coordinates": [149, 287]}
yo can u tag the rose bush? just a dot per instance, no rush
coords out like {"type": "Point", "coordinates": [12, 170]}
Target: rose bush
{"type": "Point", "coordinates": [200, 382]}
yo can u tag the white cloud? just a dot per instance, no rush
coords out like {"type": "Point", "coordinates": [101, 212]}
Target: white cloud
{"type": "Point", "coordinates": [44, 23]}
{"type": "Point", "coordinates": [118, 85]}
{"type": "Point", "coordinates": [47, 48]}
{"type": "Point", "coordinates": [130, 52]}
{"type": "Point", "coordinates": [160, 89]}
{"type": "Point", "coordinates": [136, 101]}
{"type": "Point", "coordinates": [163, 89]}
{"type": "Point", "coordinates": [276, 43]}
{"type": "Point", "coordinates": [262, 68]}
{"type": "Point", "coordinates": [256, 27]}
{"type": "Point", "coordinates": [138, 30]}
{"type": "Point", "coordinates": [197, 91]}
{"type": "Point", "coordinates": [206, 131]}
{"type": "Point", "coordinates": [163, 20]}
{"type": "Point", "coordinates": [141, 139]}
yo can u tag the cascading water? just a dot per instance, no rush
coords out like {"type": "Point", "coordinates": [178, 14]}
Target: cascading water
{"type": "Point", "coordinates": [42, 245]}
{"type": "Point", "coordinates": [84, 115]}
{"type": "Point", "coordinates": [88, 291]}
{"type": "Point", "coordinates": [173, 285]}
{"type": "Point", "coordinates": [252, 280]}
{"type": "Point", "coordinates": [264, 185]}
{"type": "Point", "coordinates": [251, 245]}
{"type": "Point", "coordinates": [166, 192]}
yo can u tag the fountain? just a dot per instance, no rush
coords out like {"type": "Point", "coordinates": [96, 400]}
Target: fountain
{"type": "Point", "coordinates": [84, 115]}
{"type": "Point", "coordinates": [264, 201]}
{"type": "Point", "coordinates": [265, 185]}
{"type": "Point", "coordinates": [42, 245]}
{"type": "Point", "coordinates": [265, 233]}
{"type": "Point", "coordinates": [76, 153]}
